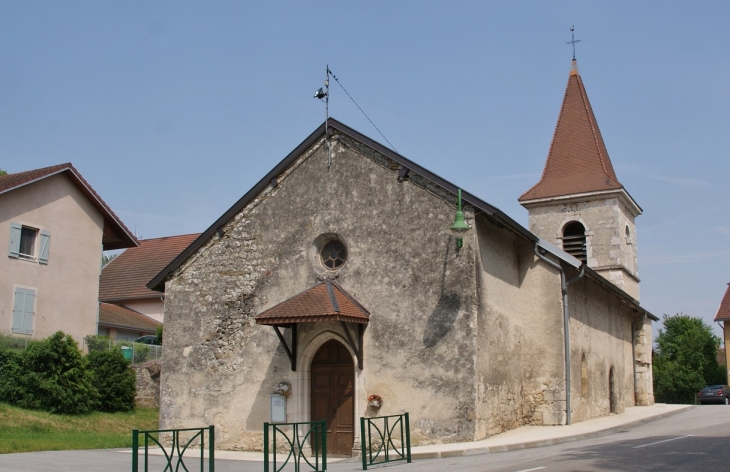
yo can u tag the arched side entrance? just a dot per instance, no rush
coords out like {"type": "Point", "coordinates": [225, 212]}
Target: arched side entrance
{"type": "Point", "coordinates": [333, 395]}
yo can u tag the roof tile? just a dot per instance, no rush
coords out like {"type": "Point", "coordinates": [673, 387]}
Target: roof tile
{"type": "Point", "coordinates": [723, 313]}
{"type": "Point", "coordinates": [316, 304]}
{"type": "Point", "coordinates": [126, 277]}
{"type": "Point", "coordinates": [123, 317]}
{"type": "Point", "coordinates": [578, 161]}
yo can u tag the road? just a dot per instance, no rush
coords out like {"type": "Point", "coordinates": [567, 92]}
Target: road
{"type": "Point", "coordinates": [694, 440]}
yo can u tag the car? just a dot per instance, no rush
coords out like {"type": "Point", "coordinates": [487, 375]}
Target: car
{"type": "Point", "coordinates": [148, 339]}
{"type": "Point", "coordinates": [714, 394]}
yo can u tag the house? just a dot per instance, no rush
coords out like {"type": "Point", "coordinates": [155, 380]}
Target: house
{"type": "Point", "coordinates": [55, 227]}
{"type": "Point", "coordinates": [723, 316]}
{"type": "Point", "coordinates": [349, 270]}
{"type": "Point", "coordinates": [127, 308]}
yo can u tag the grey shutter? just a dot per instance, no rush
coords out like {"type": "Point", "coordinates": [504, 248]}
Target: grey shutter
{"type": "Point", "coordinates": [18, 310]}
{"type": "Point", "coordinates": [45, 242]}
{"type": "Point", "coordinates": [29, 311]}
{"type": "Point", "coordinates": [14, 249]}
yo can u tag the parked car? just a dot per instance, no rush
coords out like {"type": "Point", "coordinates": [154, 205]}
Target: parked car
{"type": "Point", "coordinates": [148, 339]}
{"type": "Point", "coordinates": [714, 394]}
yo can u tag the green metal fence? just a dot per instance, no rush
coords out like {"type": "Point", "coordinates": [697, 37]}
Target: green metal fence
{"type": "Point", "coordinates": [174, 453]}
{"type": "Point", "coordinates": [385, 439]}
{"type": "Point", "coordinates": [294, 440]}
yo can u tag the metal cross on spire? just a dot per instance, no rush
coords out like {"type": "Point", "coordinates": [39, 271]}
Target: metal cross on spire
{"type": "Point", "coordinates": [573, 40]}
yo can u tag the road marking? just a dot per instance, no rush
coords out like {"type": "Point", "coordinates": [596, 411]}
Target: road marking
{"type": "Point", "coordinates": [528, 470]}
{"type": "Point", "coordinates": [659, 442]}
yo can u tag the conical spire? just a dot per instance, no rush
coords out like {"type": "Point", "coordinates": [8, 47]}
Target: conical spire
{"type": "Point", "coordinates": [577, 161]}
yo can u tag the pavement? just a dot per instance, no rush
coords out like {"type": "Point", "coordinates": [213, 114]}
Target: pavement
{"type": "Point", "coordinates": [524, 437]}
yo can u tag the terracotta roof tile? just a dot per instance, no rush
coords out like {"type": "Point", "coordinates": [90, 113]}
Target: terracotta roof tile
{"type": "Point", "coordinates": [126, 277]}
{"type": "Point", "coordinates": [316, 304]}
{"type": "Point", "coordinates": [123, 317]}
{"type": "Point", "coordinates": [723, 313]}
{"type": "Point", "coordinates": [116, 234]}
{"type": "Point", "coordinates": [578, 161]}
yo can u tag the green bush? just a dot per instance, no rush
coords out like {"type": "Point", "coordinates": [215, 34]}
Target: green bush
{"type": "Point", "coordinates": [159, 335]}
{"type": "Point", "coordinates": [54, 378]}
{"type": "Point", "coordinates": [9, 372]}
{"type": "Point", "coordinates": [113, 379]}
{"type": "Point", "coordinates": [97, 343]}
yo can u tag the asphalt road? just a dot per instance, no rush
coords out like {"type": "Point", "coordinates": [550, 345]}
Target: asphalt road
{"type": "Point", "coordinates": [698, 439]}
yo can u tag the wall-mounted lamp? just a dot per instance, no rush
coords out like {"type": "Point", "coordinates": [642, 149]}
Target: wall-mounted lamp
{"type": "Point", "coordinates": [460, 228]}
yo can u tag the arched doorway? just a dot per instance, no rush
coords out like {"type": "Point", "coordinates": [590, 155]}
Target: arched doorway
{"type": "Point", "coordinates": [333, 395]}
{"type": "Point", "coordinates": [611, 391]}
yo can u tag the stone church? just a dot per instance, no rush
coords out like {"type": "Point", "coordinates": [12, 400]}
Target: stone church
{"type": "Point", "coordinates": [337, 277]}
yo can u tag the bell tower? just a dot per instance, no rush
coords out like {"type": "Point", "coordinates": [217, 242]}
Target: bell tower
{"type": "Point", "coordinates": [579, 204]}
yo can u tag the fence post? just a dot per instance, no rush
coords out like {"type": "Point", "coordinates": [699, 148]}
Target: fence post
{"type": "Point", "coordinates": [211, 446]}
{"type": "Point", "coordinates": [266, 447]}
{"type": "Point", "coordinates": [362, 443]}
{"type": "Point", "coordinates": [324, 444]}
{"type": "Point", "coordinates": [135, 452]}
{"type": "Point", "coordinates": [408, 438]}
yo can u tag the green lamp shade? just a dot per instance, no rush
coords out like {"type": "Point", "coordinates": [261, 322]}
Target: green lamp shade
{"type": "Point", "coordinates": [460, 225]}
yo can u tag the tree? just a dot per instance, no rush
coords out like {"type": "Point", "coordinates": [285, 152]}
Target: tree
{"type": "Point", "coordinates": [685, 359]}
{"type": "Point", "coordinates": [159, 335]}
{"type": "Point", "coordinates": [2, 172]}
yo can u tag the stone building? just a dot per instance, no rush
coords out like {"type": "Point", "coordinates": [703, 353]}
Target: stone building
{"type": "Point", "coordinates": [336, 274]}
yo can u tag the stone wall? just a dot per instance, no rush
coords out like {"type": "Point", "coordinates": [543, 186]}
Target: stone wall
{"type": "Point", "coordinates": [419, 355]}
{"type": "Point", "coordinates": [148, 384]}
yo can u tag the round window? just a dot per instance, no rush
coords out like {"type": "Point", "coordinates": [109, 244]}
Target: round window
{"type": "Point", "coordinates": [333, 254]}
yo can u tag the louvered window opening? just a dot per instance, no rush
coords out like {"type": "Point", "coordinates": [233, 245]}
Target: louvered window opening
{"type": "Point", "coordinates": [574, 241]}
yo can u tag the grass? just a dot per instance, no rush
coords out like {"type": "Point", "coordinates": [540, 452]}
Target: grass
{"type": "Point", "coordinates": [27, 430]}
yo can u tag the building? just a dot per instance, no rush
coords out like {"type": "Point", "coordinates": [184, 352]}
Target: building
{"type": "Point", "coordinates": [128, 309]}
{"type": "Point", "coordinates": [338, 275]}
{"type": "Point", "coordinates": [55, 227]}
{"type": "Point", "coordinates": [723, 316]}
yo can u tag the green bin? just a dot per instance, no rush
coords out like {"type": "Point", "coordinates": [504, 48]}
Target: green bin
{"type": "Point", "coordinates": [127, 353]}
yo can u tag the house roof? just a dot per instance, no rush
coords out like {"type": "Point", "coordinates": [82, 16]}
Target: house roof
{"type": "Point", "coordinates": [577, 161]}
{"type": "Point", "coordinates": [331, 124]}
{"type": "Point", "coordinates": [116, 235]}
{"type": "Point", "coordinates": [723, 312]}
{"type": "Point", "coordinates": [122, 317]}
{"type": "Point", "coordinates": [326, 301]}
{"type": "Point", "coordinates": [125, 277]}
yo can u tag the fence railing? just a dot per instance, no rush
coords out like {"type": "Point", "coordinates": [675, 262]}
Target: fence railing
{"type": "Point", "coordinates": [18, 341]}
{"type": "Point", "coordinates": [174, 452]}
{"type": "Point", "coordinates": [385, 439]}
{"type": "Point", "coordinates": [136, 353]}
{"type": "Point", "coordinates": [294, 442]}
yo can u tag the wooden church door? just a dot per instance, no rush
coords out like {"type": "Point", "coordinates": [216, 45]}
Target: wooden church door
{"type": "Point", "coordinates": [333, 396]}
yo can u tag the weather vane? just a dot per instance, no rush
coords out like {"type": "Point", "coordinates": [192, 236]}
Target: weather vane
{"type": "Point", "coordinates": [573, 40]}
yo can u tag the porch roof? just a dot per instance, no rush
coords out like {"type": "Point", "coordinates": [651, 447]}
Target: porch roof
{"type": "Point", "coordinates": [326, 301]}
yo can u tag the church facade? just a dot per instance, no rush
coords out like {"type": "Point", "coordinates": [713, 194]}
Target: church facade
{"type": "Point", "coordinates": [336, 279]}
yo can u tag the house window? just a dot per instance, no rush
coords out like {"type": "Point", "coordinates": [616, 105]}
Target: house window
{"type": "Point", "coordinates": [23, 310]}
{"type": "Point", "coordinates": [29, 243]}
{"type": "Point", "coordinates": [574, 241]}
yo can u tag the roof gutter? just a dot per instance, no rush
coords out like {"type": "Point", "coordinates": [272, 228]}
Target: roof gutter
{"type": "Point", "coordinates": [541, 248]}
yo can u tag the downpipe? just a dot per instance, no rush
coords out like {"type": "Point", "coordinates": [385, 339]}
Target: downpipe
{"type": "Point", "coordinates": [566, 323]}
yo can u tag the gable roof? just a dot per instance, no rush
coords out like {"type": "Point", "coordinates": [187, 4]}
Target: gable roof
{"type": "Point", "coordinates": [122, 317]}
{"type": "Point", "coordinates": [116, 235]}
{"type": "Point", "coordinates": [577, 161]}
{"type": "Point", "coordinates": [326, 301]}
{"type": "Point", "coordinates": [483, 208]}
{"type": "Point", "coordinates": [125, 277]}
{"type": "Point", "coordinates": [723, 312]}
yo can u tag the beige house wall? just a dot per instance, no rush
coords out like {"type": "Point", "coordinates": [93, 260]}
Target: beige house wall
{"type": "Point", "coordinates": [150, 307]}
{"type": "Point", "coordinates": [67, 287]}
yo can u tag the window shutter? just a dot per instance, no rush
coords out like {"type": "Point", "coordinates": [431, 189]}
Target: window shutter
{"type": "Point", "coordinates": [45, 242]}
{"type": "Point", "coordinates": [29, 311]}
{"type": "Point", "coordinates": [18, 310]}
{"type": "Point", "coordinates": [14, 249]}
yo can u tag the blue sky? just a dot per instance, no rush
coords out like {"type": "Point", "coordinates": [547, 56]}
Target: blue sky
{"type": "Point", "coordinates": [173, 110]}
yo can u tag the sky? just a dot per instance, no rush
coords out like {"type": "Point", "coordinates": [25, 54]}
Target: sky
{"type": "Point", "coordinates": [173, 110]}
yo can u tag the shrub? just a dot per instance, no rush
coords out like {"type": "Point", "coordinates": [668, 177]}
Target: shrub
{"type": "Point", "coordinates": [97, 343]}
{"type": "Point", "coordinates": [114, 380]}
{"type": "Point", "coordinates": [159, 335]}
{"type": "Point", "coordinates": [54, 377]}
{"type": "Point", "coordinates": [9, 370]}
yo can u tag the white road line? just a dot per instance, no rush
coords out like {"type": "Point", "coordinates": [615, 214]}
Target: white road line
{"type": "Point", "coordinates": [528, 470]}
{"type": "Point", "coordinates": [659, 442]}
